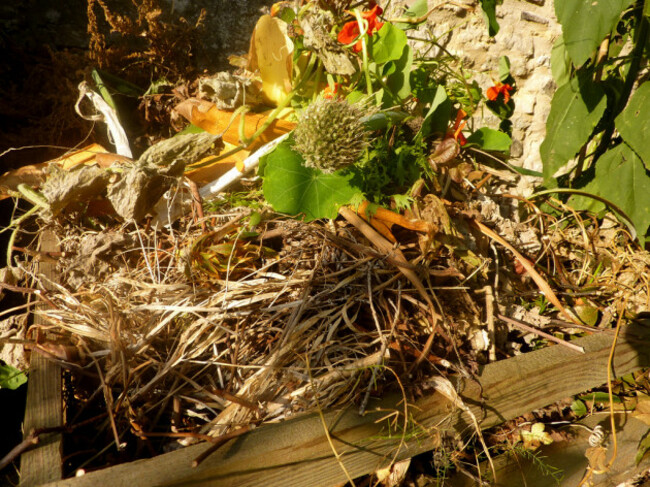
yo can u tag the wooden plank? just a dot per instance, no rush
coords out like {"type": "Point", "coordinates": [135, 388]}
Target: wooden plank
{"type": "Point", "coordinates": [515, 470]}
{"type": "Point", "coordinates": [296, 452]}
{"type": "Point", "coordinates": [44, 405]}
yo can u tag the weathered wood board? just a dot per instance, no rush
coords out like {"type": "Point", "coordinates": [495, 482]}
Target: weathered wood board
{"type": "Point", "coordinates": [44, 407]}
{"type": "Point", "coordinates": [297, 452]}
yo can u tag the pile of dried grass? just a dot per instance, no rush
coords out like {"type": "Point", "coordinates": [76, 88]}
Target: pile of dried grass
{"type": "Point", "coordinates": [195, 334]}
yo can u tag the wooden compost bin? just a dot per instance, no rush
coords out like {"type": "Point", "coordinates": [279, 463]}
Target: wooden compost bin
{"type": "Point", "coordinates": [297, 451]}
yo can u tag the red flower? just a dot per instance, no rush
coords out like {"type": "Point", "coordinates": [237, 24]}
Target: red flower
{"type": "Point", "coordinates": [350, 30]}
{"type": "Point", "coordinates": [329, 91]}
{"type": "Point", "coordinates": [493, 92]}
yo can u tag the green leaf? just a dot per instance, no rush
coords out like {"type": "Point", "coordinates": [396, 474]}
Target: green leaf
{"type": "Point", "coordinates": [417, 10]}
{"type": "Point", "coordinates": [585, 23]}
{"type": "Point", "coordinates": [634, 123]}
{"type": "Point", "coordinates": [437, 118]}
{"type": "Point", "coordinates": [292, 188]}
{"type": "Point", "coordinates": [579, 408]}
{"type": "Point", "coordinates": [489, 13]}
{"type": "Point", "coordinates": [560, 62]}
{"type": "Point", "coordinates": [11, 377]}
{"type": "Point", "coordinates": [387, 44]}
{"type": "Point", "coordinates": [576, 108]}
{"type": "Point", "coordinates": [622, 179]}
{"type": "Point", "coordinates": [399, 82]}
{"type": "Point", "coordinates": [490, 139]}
{"type": "Point", "coordinates": [644, 446]}
{"type": "Point", "coordinates": [504, 69]}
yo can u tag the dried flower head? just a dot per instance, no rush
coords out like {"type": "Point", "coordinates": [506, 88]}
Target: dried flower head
{"type": "Point", "coordinates": [330, 134]}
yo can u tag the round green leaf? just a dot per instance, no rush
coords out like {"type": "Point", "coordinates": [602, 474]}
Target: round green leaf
{"type": "Point", "coordinates": [490, 139]}
{"type": "Point", "coordinates": [292, 188]}
{"type": "Point", "coordinates": [387, 44]}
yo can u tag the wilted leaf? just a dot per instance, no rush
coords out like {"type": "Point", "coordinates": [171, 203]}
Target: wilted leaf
{"type": "Point", "coordinates": [206, 115]}
{"type": "Point", "coordinates": [644, 446]}
{"type": "Point", "coordinates": [292, 188]}
{"type": "Point", "coordinates": [536, 437]}
{"type": "Point", "coordinates": [272, 54]}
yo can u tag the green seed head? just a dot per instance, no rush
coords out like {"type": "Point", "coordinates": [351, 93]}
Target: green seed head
{"type": "Point", "coordinates": [330, 134]}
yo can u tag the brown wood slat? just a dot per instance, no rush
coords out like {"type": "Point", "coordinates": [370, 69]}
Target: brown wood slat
{"type": "Point", "coordinates": [44, 405]}
{"type": "Point", "coordinates": [296, 452]}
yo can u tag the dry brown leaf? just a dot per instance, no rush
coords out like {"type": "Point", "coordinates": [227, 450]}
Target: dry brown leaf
{"type": "Point", "coordinates": [32, 175]}
{"type": "Point", "coordinates": [206, 115]}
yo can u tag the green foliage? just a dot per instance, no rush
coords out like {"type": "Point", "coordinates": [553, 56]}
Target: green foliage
{"type": "Point", "coordinates": [490, 15]}
{"type": "Point", "coordinates": [585, 24]}
{"type": "Point", "coordinates": [292, 188]}
{"type": "Point", "coordinates": [622, 179]}
{"type": "Point", "coordinates": [596, 118]}
{"type": "Point", "coordinates": [490, 140]}
{"type": "Point", "coordinates": [388, 44]}
{"type": "Point", "coordinates": [397, 93]}
{"type": "Point", "coordinates": [634, 123]}
{"type": "Point", "coordinates": [11, 377]}
{"type": "Point", "coordinates": [576, 109]}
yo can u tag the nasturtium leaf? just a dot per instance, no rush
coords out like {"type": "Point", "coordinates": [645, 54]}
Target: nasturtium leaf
{"type": "Point", "coordinates": [621, 178]}
{"type": "Point", "coordinates": [387, 44]}
{"type": "Point", "coordinates": [576, 108]}
{"type": "Point", "coordinates": [399, 80]}
{"type": "Point", "coordinates": [437, 118]}
{"type": "Point", "coordinates": [489, 13]}
{"type": "Point", "coordinates": [585, 23]}
{"type": "Point", "coordinates": [416, 11]}
{"type": "Point", "coordinates": [11, 377]}
{"type": "Point", "coordinates": [490, 139]}
{"type": "Point", "coordinates": [292, 188]}
{"type": "Point", "coordinates": [634, 123]}
{"type": "Point", "coordinates": [560, 62]}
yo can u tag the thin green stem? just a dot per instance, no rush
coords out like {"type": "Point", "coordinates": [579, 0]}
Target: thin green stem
{"type": "Point", "coordinates": [363, 28]}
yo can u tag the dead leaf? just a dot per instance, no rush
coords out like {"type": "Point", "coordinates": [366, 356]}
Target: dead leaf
{"type": "Point", "coordinates": [206, 115]}
{"type": "Point", "coordinates": [536, 437]}
{"type": "Point", "coordinates": [32, 175]}
{"type": "Point", "coordinates": [272, 54]}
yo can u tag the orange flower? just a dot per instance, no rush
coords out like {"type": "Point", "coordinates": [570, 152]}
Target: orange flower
{"type": "Point", "coordinates": [499, 88]}
{"type": "Point", "coordinates": [350, 30]}
{"type": "Point", "coordinates": [459, 125]}
{"type": "Point", "coordinates": [329, 92]}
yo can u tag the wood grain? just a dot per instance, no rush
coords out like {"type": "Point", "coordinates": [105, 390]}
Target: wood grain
{"type": "Point", "coordinates": [296, 452]}
{"type": "Point", "coordinates": [44, 405]}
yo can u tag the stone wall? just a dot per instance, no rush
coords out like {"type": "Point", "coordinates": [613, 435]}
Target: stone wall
{"type": "Point", "coordinates": [528, 31]}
